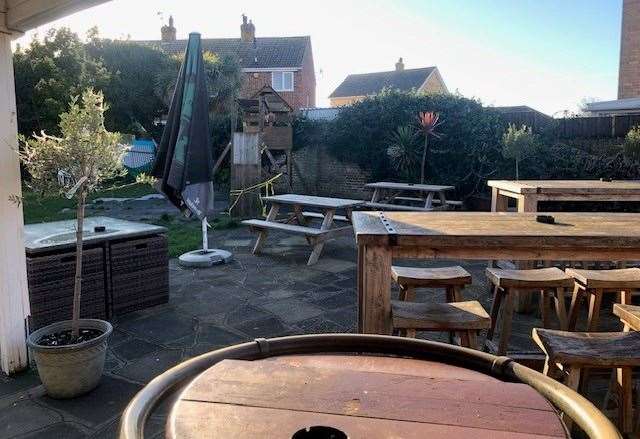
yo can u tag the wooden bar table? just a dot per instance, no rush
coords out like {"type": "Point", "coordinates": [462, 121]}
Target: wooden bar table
{"type": "Point", "coordinates": [363, 396]}
{"type": "Point", "coordinates": [528, 193]}
{"type": "Point", "coordinates": [381, 236]}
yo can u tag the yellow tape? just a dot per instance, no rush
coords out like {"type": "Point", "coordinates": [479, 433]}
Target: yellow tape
{"type": "Point", "coordinates": [268, 189]}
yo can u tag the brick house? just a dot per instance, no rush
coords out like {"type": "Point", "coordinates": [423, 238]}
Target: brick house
{"type": "Point", "coordinates": [356, 87]}
{"type": "Point", "coordinates": [284, 63]}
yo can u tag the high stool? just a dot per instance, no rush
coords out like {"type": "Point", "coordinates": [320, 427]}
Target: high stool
{"type": "Point", "coordinates": [452, 279]}
{"type": "Point", "coordinates": [550, 281]}
{"type": "Point", "coordinates": [568, 353]}
{"type": "Point", "coordinates": [595, 283]}
{"type": "Point", "coordinates": [465, 318]}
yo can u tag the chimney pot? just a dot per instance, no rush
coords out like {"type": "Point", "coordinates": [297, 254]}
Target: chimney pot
{"type": "Point", "coordinates": [399, 65]}
{"type": "Point", "coordinates": [168, 32]}
{"type": "Point", "coordinates": [247, 30]}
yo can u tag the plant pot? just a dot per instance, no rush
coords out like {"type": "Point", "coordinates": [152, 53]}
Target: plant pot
{"type": "Point", "coordinates": [70, 371]}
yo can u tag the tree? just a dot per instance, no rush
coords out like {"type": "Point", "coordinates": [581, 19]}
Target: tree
{"type": "Point", "coordinates": [82, 157]}
{"type": "Point", "coordinates": [518, 144]}
{"type": "Point", "coordinates": [131, 89]}
{"type": "Point", "coordinates": [48, 73]}
{"type": "Point", "coordinates": [631, 145]}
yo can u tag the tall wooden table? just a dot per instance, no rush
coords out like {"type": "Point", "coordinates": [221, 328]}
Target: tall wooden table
{"type": "Point", "coordinates": [363, 396]}
{"type": "Point", "coordinates": [528, 193]}
{"type": "Point", "coordinates": [381, 236]}
{"type": "Point", "coordinates": [386, 193]}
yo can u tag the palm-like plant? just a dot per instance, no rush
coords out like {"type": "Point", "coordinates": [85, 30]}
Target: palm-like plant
{"type": "Point", "coordinates": [403, 150]}
{"type": "Point", "coordinates": [428, 121]}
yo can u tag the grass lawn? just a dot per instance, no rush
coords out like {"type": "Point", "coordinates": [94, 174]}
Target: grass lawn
{"type": "Point", "coordinates": [183, 235]}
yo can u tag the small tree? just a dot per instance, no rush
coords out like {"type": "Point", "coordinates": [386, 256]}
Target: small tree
{"type": "Point", "coordinates": [75, 164]}
{"type": "Point", "coordinates": [631, 145]}
{"type": "Point", "coordinates": [428, 121]}
{"type": "Point", "coordinates": [518, 144]}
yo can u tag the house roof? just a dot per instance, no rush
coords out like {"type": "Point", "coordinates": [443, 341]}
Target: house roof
{"type": "Point", "coordinates": [520, 109]}
{"type": "Point", "coordinates": [617, 105]}
{"type": "Point", "coordinates": [270, 52]}
{"type": "Point", "coordinates": [366, 84]}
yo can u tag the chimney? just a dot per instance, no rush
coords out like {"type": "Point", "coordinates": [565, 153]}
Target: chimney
{"type": "Point", "coordinates": [399, 65]}
{"type": "Point", "coordinates": [629, 74]}
{"type": "Point", "coordinates": [247, 30]}
{"type": "Point", "coordinates": [168, 33]}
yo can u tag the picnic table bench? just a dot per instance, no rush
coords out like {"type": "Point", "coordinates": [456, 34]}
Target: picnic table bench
{"type": "Point", "coordinates": [316, 237]}
{"type": "Point", "coordinates": [424, 196]}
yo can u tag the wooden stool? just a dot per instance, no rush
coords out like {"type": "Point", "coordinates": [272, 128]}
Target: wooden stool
{"type": "Point", "coordinates": [466, 318]}
{"type": "Point", "coordinates": [570, 352]}
{"type": "Point", "coordinates": [550, 281]}
{"type": "Point", "coordinates": [453, 279]}
{"type": "Point", "coordinates": [596, 283]}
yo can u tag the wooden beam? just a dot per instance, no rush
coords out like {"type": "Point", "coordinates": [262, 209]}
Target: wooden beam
{"type": "Point", "coordinates": [14, 297]}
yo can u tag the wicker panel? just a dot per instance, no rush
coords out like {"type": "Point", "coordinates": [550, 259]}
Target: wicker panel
{"type": "Point", "coordinates": [51, 282]}
{"type": "Point", "coordinates": [139, 274]}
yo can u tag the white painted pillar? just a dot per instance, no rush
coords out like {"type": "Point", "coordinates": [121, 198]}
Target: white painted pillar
{"type": "Point", "coordinates": [14, 298]}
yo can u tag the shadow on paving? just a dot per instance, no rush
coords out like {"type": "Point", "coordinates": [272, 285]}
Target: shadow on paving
{"type": "Point", "coordinates": [274, 294]}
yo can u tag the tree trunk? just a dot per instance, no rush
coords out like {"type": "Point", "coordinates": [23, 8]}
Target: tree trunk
{"type": "Point", "coordinates": [517, 171]}
{"type": "Point", "coordinates": [77, 287]}
{"type": "Point", "coordinates": [424, 158]}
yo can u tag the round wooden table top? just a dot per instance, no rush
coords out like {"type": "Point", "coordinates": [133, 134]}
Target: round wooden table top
{"type": "Point", "coordinates": [363, 396]}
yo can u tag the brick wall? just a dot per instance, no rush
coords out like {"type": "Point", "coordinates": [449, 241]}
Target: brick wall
{"type": "Point", "coordinates": [317, 172]}
{"type": "Point", "coordinates": [629, 76]}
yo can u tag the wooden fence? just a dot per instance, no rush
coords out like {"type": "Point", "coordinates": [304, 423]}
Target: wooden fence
{"type": "Point", "coordinates": [598, 127]}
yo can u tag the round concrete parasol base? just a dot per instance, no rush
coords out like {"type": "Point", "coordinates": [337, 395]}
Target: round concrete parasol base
{"type": "Point", "coordinates": [202, 259]}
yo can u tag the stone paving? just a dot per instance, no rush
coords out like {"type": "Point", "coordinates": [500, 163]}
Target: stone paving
{"type": "Point", "coordinates": [272, 295]}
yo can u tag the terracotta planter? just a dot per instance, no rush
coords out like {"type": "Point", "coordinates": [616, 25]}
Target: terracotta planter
{"type": "Point", "coordinates": [70, 371]}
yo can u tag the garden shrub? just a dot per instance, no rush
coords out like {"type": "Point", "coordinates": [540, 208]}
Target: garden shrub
{"type": "Point", "coordinates": [466, 153]}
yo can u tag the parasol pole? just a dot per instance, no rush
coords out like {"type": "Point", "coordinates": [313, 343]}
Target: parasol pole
{"type": "Point", "coordinates": [205, 238]}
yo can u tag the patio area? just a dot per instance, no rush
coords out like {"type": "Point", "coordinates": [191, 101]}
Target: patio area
{"type": "Point", "coordinates": [271, 295]}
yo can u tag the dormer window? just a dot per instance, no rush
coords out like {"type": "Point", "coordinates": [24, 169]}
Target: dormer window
{"type": "Point", "coordinates": [282, 81]}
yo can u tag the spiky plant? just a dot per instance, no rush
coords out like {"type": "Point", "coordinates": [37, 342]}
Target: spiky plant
{"type": "Point", "coordinates": [428, 122]}
{"type": "Point", "coordinates": [403, 150]}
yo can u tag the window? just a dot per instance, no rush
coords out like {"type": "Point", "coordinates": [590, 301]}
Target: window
{"type": "Point", "coordinates": [282, 81]}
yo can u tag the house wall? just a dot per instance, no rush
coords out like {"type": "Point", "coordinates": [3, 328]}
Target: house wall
{"type": "Point", "coordinates": [434, 84]}
{"type": "Point", "coordinates": [343, 101]}
{"type": "Point", "coordinates": [304, 84]}
{"type": "Point", "coordinates": [629, 75]}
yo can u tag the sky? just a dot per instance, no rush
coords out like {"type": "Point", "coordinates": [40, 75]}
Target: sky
{"type": "Point", "coordinates": [548, 54]}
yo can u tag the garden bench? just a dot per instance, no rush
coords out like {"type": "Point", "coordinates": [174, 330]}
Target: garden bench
{"type": "Point", "coordinates": [396, 207]}
{"type": "Point", "coordinates": [385, 194]}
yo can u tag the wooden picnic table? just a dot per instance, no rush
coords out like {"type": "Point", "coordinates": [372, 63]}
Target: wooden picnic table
{"type": "Point", "coordinates": [386, 194]}
{"type": "Point", "coordinates": [629, 316]}
{"type": "Point", "coordinates": [528, 193]}
{"type": "Point", "coordinates": [364, 396]}
{"type": "Point", "coordinates": [381, 236]}
{"type": "Point", "coordinates": [316, 237]}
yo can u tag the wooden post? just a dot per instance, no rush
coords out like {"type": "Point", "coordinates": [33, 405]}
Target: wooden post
{"type": "Point", "coordinates": [14, 296]}
{"type": "Point", "coordinates": [374, 290]}
{"type": "Point", "coordinates": [246, 172]}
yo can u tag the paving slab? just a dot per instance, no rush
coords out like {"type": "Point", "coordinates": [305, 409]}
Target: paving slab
{"type": "Point", "coordinates": [25, 417]}
{"type": "Point", "coordinates": [161, 328]}
{"type": "Point", "coordinates": [148, 367]}
{"type": "Point", "coordinates": [62, 430]}
{"type": "Point", "coordinates": [292, 310]}
{"type": "Point", "coordinates": [97, 407]}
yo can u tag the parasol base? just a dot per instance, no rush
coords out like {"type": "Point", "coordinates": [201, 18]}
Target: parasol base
{"type": "Point", "coordinates": [204, 259]}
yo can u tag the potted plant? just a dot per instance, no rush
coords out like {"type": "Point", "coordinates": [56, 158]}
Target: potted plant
{"type": "Point", "coordinates": [70, 354]}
